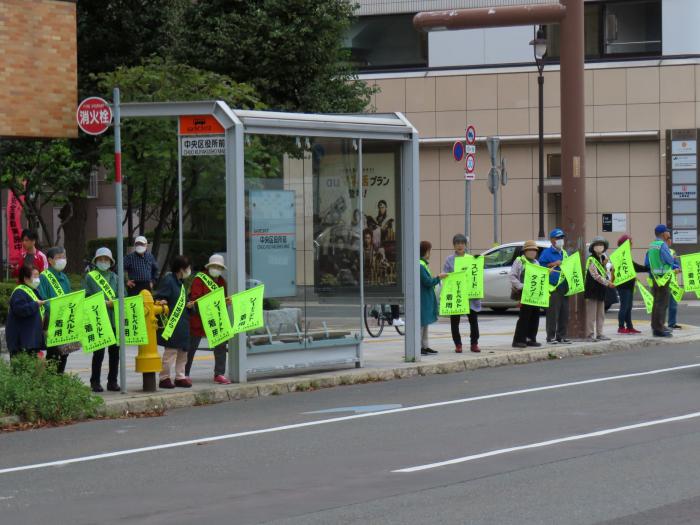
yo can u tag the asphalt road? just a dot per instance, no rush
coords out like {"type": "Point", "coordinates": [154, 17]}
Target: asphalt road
{"type": "Point", "coordinates": [621, 449]}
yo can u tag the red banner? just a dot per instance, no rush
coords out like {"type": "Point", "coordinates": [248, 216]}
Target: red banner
{"type": "Point", "coordinates": [14, 228]}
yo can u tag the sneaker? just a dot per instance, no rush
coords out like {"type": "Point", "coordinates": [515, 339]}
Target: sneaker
{"type": "Point", "coordinates": [165, 383]}
{"type": "Point", "coordinates": [633, 331]}
{"type": "Point", "coordinates": [398, 322]}
{"type": "Point", "coordinates": [552, 341]}
{"type": "Point", "coordinates": [676, 326]}
{"type": "Point", "coordinates": [113, 387]}
{"type": "Point", "coordinates": [533, 343]}
{"type": "Point", "coordinates": [431, 351]}
{"type": "Point", "coordinates": [97, 388]}
{"type": "Point", "coordinates": [564, 341]}
{"type": "Point", "coordinates": [519, 345]}
{"type": "Point", "coordinates": [602, 338]}
{"type": "Point", "coordinates": [222, 380]}
{"type": "Point", "coordinates": [475, 348]}
{"type": "Point", "coordinates": [458, 349]}
{"type": "Point", "coordinates": [623, 330]}
{"type": "Point", "coordinates": [665, 333]}
{"type": "Point", "coordinates": [183, 383]}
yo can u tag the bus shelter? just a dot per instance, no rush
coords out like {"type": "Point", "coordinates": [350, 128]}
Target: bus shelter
{"type": "Point", "coordinates": [324, 210]}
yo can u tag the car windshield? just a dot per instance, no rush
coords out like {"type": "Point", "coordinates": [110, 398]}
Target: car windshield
{"type": "Point", "coordinates": [499, 257]}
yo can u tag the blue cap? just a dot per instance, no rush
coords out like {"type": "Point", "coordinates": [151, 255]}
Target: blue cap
{"type": "Point", "coordinates": [557, 233]}
{"type": "Point", "coordinates": [661, 228]}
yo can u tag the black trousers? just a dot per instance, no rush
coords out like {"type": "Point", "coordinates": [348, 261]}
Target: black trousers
{"type": "Point", "coordinates": [97, 358]}
{"type": "Point", "coordinates": [138, 286]}
{"type": "Point", "coordinates": [528, 324]}
{"type": "Point", "coordinates": [473, 328]}
{"type": "Point", "coordinates": [55, 356]}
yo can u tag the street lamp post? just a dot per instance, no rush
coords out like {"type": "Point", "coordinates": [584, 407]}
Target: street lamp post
{"type": "Point", "coordinates": [539, 47]}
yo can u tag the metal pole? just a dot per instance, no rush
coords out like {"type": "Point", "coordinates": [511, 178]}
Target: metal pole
{"type": "Point", "coordinates": [179, 189]}
{"type": "Point", "coordinates": [468, 210]}
{"type": "Point", "coordinates": [360, 207]}
{"type": "Point", "coordinates": [573, 144]}
{"type": "Point", "coordinates": [496, 211]}
{"type": "Point", "coordinates": [119, 235]}
{"type": "Point", "coordinates": [540, 87]}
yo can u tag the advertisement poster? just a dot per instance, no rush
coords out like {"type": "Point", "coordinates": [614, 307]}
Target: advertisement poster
{"type": "Point", "coordinates": [340, 227]}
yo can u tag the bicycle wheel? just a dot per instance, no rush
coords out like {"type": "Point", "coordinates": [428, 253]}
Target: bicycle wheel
{"type": "Point", "coordinates": [374, 320]}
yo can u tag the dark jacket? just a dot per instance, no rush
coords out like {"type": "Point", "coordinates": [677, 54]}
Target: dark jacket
{"type": "Point", "coordinates": [23, 329]}
{"type": "Point", "coordinates": [428, 301]}
{"type": "Point", "coordinates": [595, 290]}
{"type": "Point", "coordinates": [629, 285]}
{"type": "Point", "coordinates": [170, 291]}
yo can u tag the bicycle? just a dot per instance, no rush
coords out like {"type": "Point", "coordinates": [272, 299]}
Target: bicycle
{"type": "Point", "coordinates": [376, 316]}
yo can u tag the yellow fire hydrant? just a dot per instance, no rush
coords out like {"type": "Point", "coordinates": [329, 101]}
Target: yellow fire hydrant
{"type": "Point", "coordinates": [148, 360]}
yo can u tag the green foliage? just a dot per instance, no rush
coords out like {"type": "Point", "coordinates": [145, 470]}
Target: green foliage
{"type": "Point", "coordinates": [32, 389]}
{"type": "Point", "coordinates": [6, 289]}
{"type": "Point", "coordinates": [45, 172]}
{"type": "Point", "coordinates": [291, 51]}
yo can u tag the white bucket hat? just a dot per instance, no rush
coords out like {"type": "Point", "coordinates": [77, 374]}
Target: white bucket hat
{"type": "Point", "coordinates": [216, 260]}
{"type": "Point", "coordinates": [103, 252]}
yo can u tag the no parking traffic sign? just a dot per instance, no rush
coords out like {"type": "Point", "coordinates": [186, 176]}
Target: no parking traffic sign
{"type": "Point", "coordinates": [458, 151]}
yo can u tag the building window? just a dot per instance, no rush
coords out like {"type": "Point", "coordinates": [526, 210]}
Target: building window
{"type": "Point", "coordinates": [387, 42]}
{"type": "Point", "coordinates": [93, 185]}
{"type": "Point", "coordinates": [616, 29]}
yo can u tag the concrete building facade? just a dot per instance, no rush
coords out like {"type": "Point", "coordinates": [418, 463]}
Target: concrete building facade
{"type": "Point", "coordinates": [642, 81]}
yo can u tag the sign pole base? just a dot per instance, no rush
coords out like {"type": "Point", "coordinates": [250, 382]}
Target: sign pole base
{"type": "Point", "coordinates": [149, 382]}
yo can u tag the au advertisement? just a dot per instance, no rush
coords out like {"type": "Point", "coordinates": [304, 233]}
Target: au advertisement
{"type": "Point", "coordinates": [340, 228]}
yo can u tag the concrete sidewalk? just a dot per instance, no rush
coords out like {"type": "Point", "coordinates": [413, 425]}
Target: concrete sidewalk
{"type": "Point", "coordinates": [383, 361]}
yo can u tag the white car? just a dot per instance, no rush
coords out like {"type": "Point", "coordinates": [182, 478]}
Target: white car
{"type": "Point", "coordinates": [497, 263]}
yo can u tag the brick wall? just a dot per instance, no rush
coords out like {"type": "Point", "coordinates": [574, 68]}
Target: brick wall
{"type": "Point", "coordinates": [38, 68]}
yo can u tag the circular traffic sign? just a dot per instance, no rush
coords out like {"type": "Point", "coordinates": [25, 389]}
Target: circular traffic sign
{"type": "Point", "coordinates": [470, 163]}
{"type": "Point", "coordinates": [471, 134]}
{"type": "Point", "coordinates": [458, 151]}
{"type": "Point", "coordinates": [94, 115]}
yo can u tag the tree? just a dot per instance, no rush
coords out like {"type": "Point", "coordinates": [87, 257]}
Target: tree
{"type": "Point", "coordinates": [149, 146]}
{"type": "Point", "coordinates": [46, 173]}
{"type": "Point", "coordinates": [290, 51]}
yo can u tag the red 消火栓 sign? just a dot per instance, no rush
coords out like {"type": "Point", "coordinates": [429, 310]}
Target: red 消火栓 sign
{"type": "Point", "coordinates": [94, 115]}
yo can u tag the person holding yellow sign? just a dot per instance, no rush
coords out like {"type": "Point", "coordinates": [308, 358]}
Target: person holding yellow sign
{"type": "Point", "coordinates": [529, 317]}
{"type": "Point", "coordinates": [660, 262]}
{"type": "Point", "coordinates": [175, 335]}
{"type": "Point", "coordinates": [459, 242]}
{"type": "Point", "coordinates": [597, 280]}
{"type": "Point", "coordinates": [25, 316]}
{"type": "Point", "coordinates": [202, 284]}
{"type": "Point", "coordinates": [54, 283]}
{"type": "Point", "coordinates": [626, 293]}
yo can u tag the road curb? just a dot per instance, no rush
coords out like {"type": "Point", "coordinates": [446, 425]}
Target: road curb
{"type": "Point", "coordinates": [161, 401]}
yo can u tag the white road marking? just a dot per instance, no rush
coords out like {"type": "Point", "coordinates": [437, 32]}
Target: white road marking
{"type": "Point", "coordinates": [315, 423]}
{"type": "Point", "coordinates": [358, 409]}
{"type": "Point", "coordinates": [550, 442]}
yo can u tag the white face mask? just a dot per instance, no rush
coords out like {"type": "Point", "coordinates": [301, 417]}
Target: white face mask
{"type": "Point", "coordinates": [215, 272]}
{"type": "Point", "coordinates": [140, 249]}
{"type": "Point", "coordinates": [103, 265]}
{"type": "Point", "coordinates": [559, 243]}
{"type": "Point", "coordinates": [35, 283]}
{"type": "Point", "coordinates": [60, 264]}
{"type": "Point", "coordinates": [599, 249]}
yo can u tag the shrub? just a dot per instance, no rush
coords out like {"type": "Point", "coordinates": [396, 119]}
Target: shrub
{"type": "Point", "coordinates": [32, 389]}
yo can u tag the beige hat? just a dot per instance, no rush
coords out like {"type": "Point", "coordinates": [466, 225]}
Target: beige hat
{"type": "Point", "coordinates": [216, 260]}
{"type": "Point", "coordinates": [529, 245]}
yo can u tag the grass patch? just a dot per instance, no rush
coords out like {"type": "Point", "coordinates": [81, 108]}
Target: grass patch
{"type": "Point", "coordinates": [32, 389]}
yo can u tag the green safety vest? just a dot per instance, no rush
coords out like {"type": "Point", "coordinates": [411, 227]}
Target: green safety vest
{"type": "Point", "coordinates": [103, 284]}
{"type": "Point", "coordinates": [32, 295]}
{"type": "Point", "coordinates": [55, 285]}
{"type": "Point", "coordinates": [208, 281]}
{"type": "Point", "coordinates": [657, 268]}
